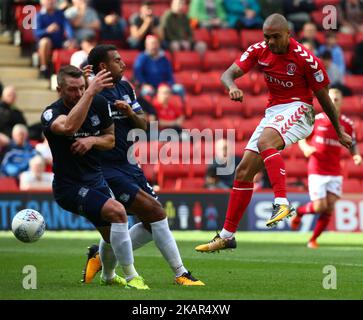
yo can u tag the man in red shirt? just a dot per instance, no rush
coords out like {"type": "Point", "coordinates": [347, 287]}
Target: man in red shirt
{"type": "Point", "coordinates": [291, 74]}
{"type": "Point", "coordinates": [325, 173]}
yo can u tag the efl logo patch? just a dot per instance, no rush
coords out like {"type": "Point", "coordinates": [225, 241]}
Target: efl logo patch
{"type": "Point", "coordinates": [83, 192]}
{"type": "Point", "coordinates": [319, 76]}
{"type": "Point", "coordinates": [95, 120]}
{"type": "Point", "coordinates": [48, 114]}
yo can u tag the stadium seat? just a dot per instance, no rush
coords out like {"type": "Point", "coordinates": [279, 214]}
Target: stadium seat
{"type": "Point", "coordinates": [354, 82]}
{"type": "Point", "coordinates": [189, 183]}
{"type": "Point", "coordinates": [129, 57]}
{"type": "Point", "coordinates": [245, 127]}
{"type": "Point", "coordinates": [160, 8]}
{"type": "Point", "coordinates": [128, 9]}
{"type": "Point", "coordinates": [202, 34]}
{"type": "Point", "coordinates": [150, 172]}
{"type": "Point", "coordinates": [27, 34]}
{"type": "Point", "coordinates": [293, 152]}
{"type": "Point", "coordinates": [359, 37]}
{"type": "Point", "coordinates": [240, 147]}
{"type": "Point", "coordinates": [352, 171]}
{"type": "Point", "coordinates": [321, 3]}
{"type": "Point", "coordinates": [352, 185]}
{"type": "Point", "coordinates": [201, 104]}
{"type": "Point", "coordinates": [296, 168]}
{"type": "Point", "coordinates": [186, 60]}
{"type": "Point", "coordinates": [209, 81]}
{"type": "Point", "coordinates": [348, 58]}
{"type": "Point", "coordinates": [171, 172]}
{"type": "Point", "coordinates": [254, 106]}
{"type": "Point", "coordinates": [8, 184]}
{"type": "Point", "coordinates": [353, 105]}
{"type": "Point", "coordinates": [226, 106]}
{"type": "Point", "coordinates": [222, 38]}
{"type": "Point", "coordinates": [248, 37]}
{"type": "Point", "coordinates": [220, 59]}
{"type": "Point", "coordinates": [188, 79]}
{"type": "Point", "coordinates": [61, 57]}
{"type": "Point", "coordinates": [346, 41]}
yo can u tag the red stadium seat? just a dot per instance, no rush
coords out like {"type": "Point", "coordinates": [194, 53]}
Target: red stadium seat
{"type": "Point", "coordinates": [255, 106]}
{"type": "Point", "coordinates": [348, 58]}
{"type": "Point", "coordinates": [354, 82]}
{"type": "Point", "coordinates": [359, 37]}
{"type": "Point", "coordinates": [202, 34]}
{"type": "Point", "coordinates": [189, 183]}
{"type": "Point", "coordinates": [321, 3]}
{"type": "Point", "coordinates": [171, 172]}
{"type": "Point", "coordinates": [220, 59]}
{"type": "Point", "coordinates": [352, 185]}
{"type": "Point", "coordinates": [129, 57]}
{"type": "Point", "coordinates": [210, 81]}
{"type": "Point", "coordinates": [353, 171]}
{"type": "Point", "coordinates": [222, 38]}
{"type": "Point", "coordinates": [296, 168]}
{"type": "Point", "coordinates": [346, 41]}
{"type": "Point", "coordinates": [248, 37]}
{"type": "Point", "coordinates": [160, 8]}
{"type": "Point", "coordinates": [186, 60]}
{"type": "Point", "coordinates": [27, 35]}
{"type": "Point", "coordinates": [202, 104]}
{"type": "Point", "coordinates": [8, 184]}
{"type": "Point", "coordinates": [240, 147]}
{"type": "Point", "coordinates": [188, 79]}
{"type": "Point", "coordinates": [129, 9]}
{"type": "Point", "coordinates": [245, 127]}
{"type": "Point", "coordinates": [150, 172]}
{"type": "Point", "coordinates": [61, 57]}
{"type": "Point", "coordinates": [353, 105]}
{"type": "Point", "coordinates": [226, 106]}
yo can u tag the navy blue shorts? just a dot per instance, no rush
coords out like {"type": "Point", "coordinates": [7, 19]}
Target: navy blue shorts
{"type": "Point", "coordinates": [84, 201]}
{"type": "Point", "coordinates": [125, 182]}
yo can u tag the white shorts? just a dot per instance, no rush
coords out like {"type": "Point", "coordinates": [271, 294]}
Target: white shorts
{"type": "Point", "coordinates": [319, 185]}
{"type": "Point", "coordinates": [293, 121]}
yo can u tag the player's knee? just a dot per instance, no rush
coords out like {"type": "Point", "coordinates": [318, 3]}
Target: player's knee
{"type": "Point", "coordinates": [114, 212]}
{"type": "Point", "coordinates": [158, 211]}
{"type": "Point", "coordinates": [321, 207]}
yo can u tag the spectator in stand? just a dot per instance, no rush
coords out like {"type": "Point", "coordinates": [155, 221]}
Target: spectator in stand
{"type": "Point", "coordinates": [335, 49]}
{"type": "Point", "coordinates": [142, 24]}
{"type": "Point", "coordinates": [36, 178]}
{"type": "Point", "coordinates": [334, 73]}
{"type": "Point", "coordinates": [208, 14]}
{"type": "Point", "coordinates": [152, 68]}
{"type": "Point", "coordinates": [223, 158]}
{"type": "Point", "coordinates": [113, 26]}
{"type": "Point", "coordinates": [243, 14]}
{"type": "Point", "coordinates": [170, 116]}
{"type": "Point", "coordinates": [309, 45]}
{"type": "Point", "coordinates": [351, 16]}
{"type": "Point", "coordinates": [309, 33]}
{"type": "Point", "coordinates": [79, 58]}
{"type": "Point", "coordinates": [44, 150]}
{"type": "Point", "coordinates": [269, 7]}
{"type": "Point", "coordinates": [9, 114]}
{"type": "Point", "coordinates": [176, 31]}
{"type": "Point", "coordinates": [83, 19]}
{"type": "Point", "coordinates": [298, 12]}
{"type": "Point", "coordinates": [50, 34]}
{"type": "Point", "coordinates": [4, 142]}
{"type": "Point", "coordinates": [19, 152]}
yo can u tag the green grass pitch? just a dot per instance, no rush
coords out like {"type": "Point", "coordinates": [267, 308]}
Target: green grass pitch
{"type": "Point", "coordinates": [264, 266]}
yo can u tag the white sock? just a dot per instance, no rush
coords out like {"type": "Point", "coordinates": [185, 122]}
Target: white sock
{"type": "Point", "coordinates": [139, 236]}
{"type": "Point", "coordinates": [122, 247]}
{"type": "Point", "coordinates": [108, 259]}
{"type": "Point", "coordinates": [165, 241]}
{"type": "Point", "coordinates": [281, 201]}
{"type": "Point", "coordinates": [226, 234]}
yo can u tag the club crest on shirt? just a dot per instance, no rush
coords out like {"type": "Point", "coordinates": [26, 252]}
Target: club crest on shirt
{"type": "Point", "coordinates": [95, 120]}
{"type": "Point", "coordinates": [279, 117]}
{"type": "Point", "coordinates": [291, 68]}
{"type": "Point", "coordinates": [48, 114]}
{"type": "Point", "coordinates": [319, 76]}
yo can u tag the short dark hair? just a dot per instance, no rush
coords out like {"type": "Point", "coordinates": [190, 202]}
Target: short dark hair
{"type": "Point", "coordinates": [326, 55]}
{"type": "Point", "coordinates": [99, 54]}
{"type": "Point", "coordinates": [68, 71]}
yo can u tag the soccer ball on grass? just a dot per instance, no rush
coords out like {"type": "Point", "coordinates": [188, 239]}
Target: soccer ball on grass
{"type": "Point", "coordinates": [28, 225]}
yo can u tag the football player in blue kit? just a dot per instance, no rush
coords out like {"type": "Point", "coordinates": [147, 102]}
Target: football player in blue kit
{"type": "Point", "coordinates": [78, 127]}
{"type": "Point", "coordinates": [126, 180]}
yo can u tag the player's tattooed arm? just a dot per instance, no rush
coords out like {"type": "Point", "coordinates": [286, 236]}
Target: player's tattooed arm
{"type": "Point", "coordinates": [329, 108]}
{"type": "Point", "coordinates": [228, 77]}
{"type": "Point", "coordinates": [137, 119]}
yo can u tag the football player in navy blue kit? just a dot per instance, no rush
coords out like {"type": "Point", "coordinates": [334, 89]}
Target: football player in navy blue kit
{"type": "Point", "coordinates": [78, 127]}
{"type": "Point", "coordinates": [126, 180]}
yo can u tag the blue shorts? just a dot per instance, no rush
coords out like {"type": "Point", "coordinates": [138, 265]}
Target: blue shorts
{"type": "Point", "coordinates": [125, 182]}
{"type": "Point", "coordinates": [83, 200]}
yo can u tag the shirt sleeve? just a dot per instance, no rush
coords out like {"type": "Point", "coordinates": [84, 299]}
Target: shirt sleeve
{"type": "Point", "coordinates": [48, 117]}
{"type": "Point", "coordinates": [316, 74]}
{"type": "Point", "coordinates": [248, 59]}
{"type": "Point", "coordinates": [104, 110]}
{"type": "Point", "coordinates": [135, 105]}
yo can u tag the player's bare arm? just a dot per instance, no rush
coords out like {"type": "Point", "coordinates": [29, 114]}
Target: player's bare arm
{"type": "Point", "coordinates": [306, 148]}
{"type": "Point", "coordinates": [228, 77]}
{"type": "Point", "coordinates": [354, 151]}
{"type": "Point", "coordinates": [328, 107]}
{"type": "Point", "coordinates": [105, 141]}
{"type": "Point", "coordinates": [137, 118]}
{"type": "Point", "coordinates": [70, 124]}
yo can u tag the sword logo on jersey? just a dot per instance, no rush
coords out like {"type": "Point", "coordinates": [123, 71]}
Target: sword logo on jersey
{"type": "Point", "coordinates": [291, 68]}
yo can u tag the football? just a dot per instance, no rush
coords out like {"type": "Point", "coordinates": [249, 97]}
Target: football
{"type": "Point", "coordinates": [28, 225]}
